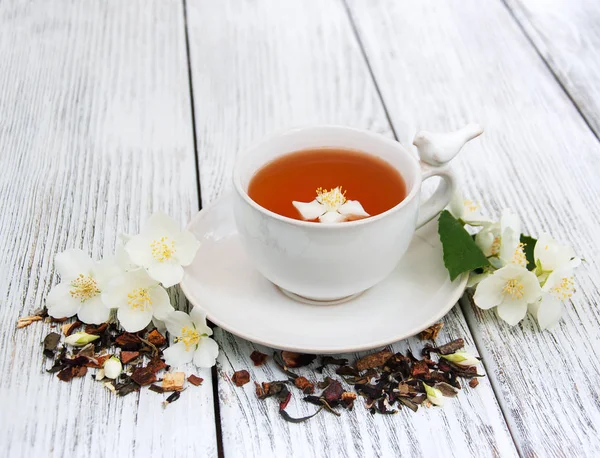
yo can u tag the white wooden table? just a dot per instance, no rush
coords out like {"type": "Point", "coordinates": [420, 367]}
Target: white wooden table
{"type": "Point", "coordinates": [110, 110]}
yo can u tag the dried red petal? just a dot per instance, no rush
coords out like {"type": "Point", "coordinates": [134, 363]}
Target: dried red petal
{"type": "Point", "coordinates": [258, 358]}
{"type": "Point", "coordinates": [283, 404]}
{"type": "Point", "coordinates": [240, 378]}
{"type": "Point", "coordinates": [305, 385]}
{"type": "Point", "coordinates": [419, 368]}
{"type": "Point", "coordinates": [474, 382]}
{"type": "Point", "coordinates": [333, 392]}
{"type": "Point", "coordinates": [96, 330]}
{"type": "Point", "coordinates": [291, 359]}
{"type": "Point", "coordinates": [373, 360]}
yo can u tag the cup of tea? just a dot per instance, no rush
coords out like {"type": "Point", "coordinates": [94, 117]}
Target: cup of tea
{"type": "Point", "coordinates": [327, 212]}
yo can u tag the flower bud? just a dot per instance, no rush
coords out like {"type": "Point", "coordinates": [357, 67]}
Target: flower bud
{"type": "Point", "coordinates": [112, 367]}
{"type": "Point", "coordinates": [462, 358]}
{"type": "Point", "coordinates": [79, 339]}
{"type": "Point", "coordinates": [434, 395]}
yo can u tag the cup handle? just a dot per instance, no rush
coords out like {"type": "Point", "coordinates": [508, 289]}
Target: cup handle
{"type": "Point", "coordinates": [440, 197]}
{"type": "Point", "coordinates": [436, 150]}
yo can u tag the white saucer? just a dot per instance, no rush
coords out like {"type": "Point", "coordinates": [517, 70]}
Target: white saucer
{"type": "Point", "coordinates": [223, 282]}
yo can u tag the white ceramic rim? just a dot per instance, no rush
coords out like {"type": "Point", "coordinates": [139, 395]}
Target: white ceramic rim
{"type": "Point", "coordinates": [237, 182]}
{"type": "Point", "coordinates": [452, 300]}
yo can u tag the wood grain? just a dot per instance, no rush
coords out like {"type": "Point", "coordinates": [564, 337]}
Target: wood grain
{"type": "Point", "coordinates": [95, 134]}
{"type": "Point", "coordinates": [567, 36]}
{"type": "Point", "coordinates": [442, 63]}
{"type": "Point", "coordinates": [260, 66]}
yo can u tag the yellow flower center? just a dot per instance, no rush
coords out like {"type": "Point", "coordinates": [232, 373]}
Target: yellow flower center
{"type": "Point", "coordinates": [139, 299]}
{"type": "Point", "coordinates": [495, 249]}
{"type": "Point", "coordinates": [189, 336]}
{"type": "Point", "coordinates": [84, 287]}
{"type": "Point", "coordinates": [163, 249]}
{"type": "Point", "coordinates": [564, 289]}
{"type": "Point", "coordinates": [514, 288]}
{"type": "Point", "coordinates": [471, 206]}
{"type": "Point", "coordinates": [519, 257]}
{"type": "Point", "coordinates": [333, 199]}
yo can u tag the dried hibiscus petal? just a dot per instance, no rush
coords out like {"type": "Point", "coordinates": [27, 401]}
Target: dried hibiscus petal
{"type": "Point", "coordinates": [258, 358]}
{"type": "Point", "coordinates": [333, 392]}
{"type": "Point", "coordinates": [240, 378]}
{"type": "Point", "coordinates": [291, 359]}
{"type": "Point", "coordinates": [373, 360]}
{"type": "Point", "coordinates": [305, 385]}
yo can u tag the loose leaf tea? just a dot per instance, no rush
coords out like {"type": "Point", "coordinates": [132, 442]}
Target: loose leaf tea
{"type": "Point", "coordinates": [386, 381]}
{"type": "Point", "coordinates": [258, 358]}
{"type": "Point", "coordinates": [240, 378]}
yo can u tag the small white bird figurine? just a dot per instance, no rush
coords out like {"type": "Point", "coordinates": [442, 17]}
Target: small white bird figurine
{"type": "Point", "coordinates": [438, 148]}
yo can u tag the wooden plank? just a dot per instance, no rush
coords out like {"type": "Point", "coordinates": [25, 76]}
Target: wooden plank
{"type": "Point", "coordinates": [441, 63]}
{"type": "Point", "coordinates": [95, 134]}
{"type": "Point", "coordinates": [259, 66]}
{"type": "Point", "coordinates": [566, 34]}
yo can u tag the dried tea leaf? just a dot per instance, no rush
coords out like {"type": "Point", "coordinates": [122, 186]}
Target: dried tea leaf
{"type": "Point", "coordinates": [127, 356]}
{"type": "Point", "coordinates": [156, 364]}
{"type": "Point", "coordinates": [173, 381]}
{"type": "Point", "coordinates": [293, 360]}
{"type": "Point", "coordinates": [431, 333]}
{"type": "Point", "coordinates": [258, 358]}
{"type": "Point", "coordinates": [194, 380]}
{"type": "Point", "coordinates": [240, 378]}
{"type": "Point", "coordinates": [348, 399]}
{"type": "Point", "coordinates": [123, 389]}
{"type": "Point", "coordinates": [305, 385]}
{"type": "Point", "coordinates": [156, 388]}
{"type": "Point", "coordinates": [156, 338]}
{"type": "Point", "coordinates": [419, 368]}
{"type": "Point", "coordinates": [473, 382]}
{"type": "Point", "coordinates": [172, 398]}
{"type": "Point", "coordinates": [143, 376]}
{"type": "Point", "coordinates": [373, 360]}
{"type": "Point", "coordinates": [347, 370]}
{"type": "Point", "coordinates": [447, 390]}
{"type": "Point", "coordinates": [408, 403]}
{"type": "Point", "coordinates": [128, 341]}
{"type": "Point", "coordinates": [328, 360]}
{"type": "Point", "coordinates": [450, 347]}
{"type": "Point", "coordinates": [286, 416]}
{"type": "Point", "coordinates": [51, 341]}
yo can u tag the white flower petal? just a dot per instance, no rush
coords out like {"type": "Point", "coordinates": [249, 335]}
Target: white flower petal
{"type": "Point", "coordinates": [352, 207]}
{"type": "Point", "coordinates": [309, 211]}
{"type": "Point", "coordinates": [510, 220]}
{"type": "Point", "coordinates": [485, 238]}
{"type": "Point", "coordinates": [159, 325]}
{"type": "Point", "coordinates": [176, 321]}
{"type": "Point", "coordinates": [167, 273]}
{"type": "Point", "coordinates": [60, 303]}
{"type": "Point", "coordinates": [206, 353]}
{"type": "Point", "coordinates": [160, 225]}
{"type": "Point", "coordinates": [456, 206]}
{"type": "Point", "coordinates": [531, 286]}
{"type": "Point", "coordinates": [139, 249]}
{"type": "Point", "coordinates": [564, 271]}
{"type": "Point", "coordinates": [549, 312]}
{"type": "Point", "coordinates": [105, 270]}
{"type": "Point", "coordinates": [134, 320]}
{"type": "Point", "coordinates": [509, 244]}
{"type": "Point", "coordinates": [93, 311]}
{"type": "Point", "coordinates": [186, 245]}
{"type": "Point", "coordinates": [71, 263]}
{"type": "Point", "coordinates": [161, 304]}
{"type": "Point", "coordinates": [199, 318]}
{"type": "Point", "coordinates": [489, 292]}
{"type": "Point", "coordinates": [512, 311]}
{"type": "Point", "coordinates": [474, 279]}
{"type": "Point", "coordinates": [178, 354]}
{"type": "Point", "coordinates": [332, 217]}
{"type": "Point", "coordinates": [550, 254]}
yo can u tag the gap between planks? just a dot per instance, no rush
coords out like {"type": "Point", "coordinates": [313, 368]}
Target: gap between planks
{"type": "Point", "coordinates": [215, 376]}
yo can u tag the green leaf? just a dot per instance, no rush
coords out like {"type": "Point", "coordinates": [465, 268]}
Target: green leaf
{"type": "Point", "coordinates": [529, 243]}
{"type": "Point", "coordinates": [461, 254]}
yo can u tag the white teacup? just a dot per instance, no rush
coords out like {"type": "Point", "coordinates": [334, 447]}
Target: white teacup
{"type": "Point", "coordinates": [329, 262]}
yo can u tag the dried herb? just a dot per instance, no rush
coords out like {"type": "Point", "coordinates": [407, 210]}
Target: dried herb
{"type": "Point", "coordinates": [328, 360]}
{"type": "Point", "coordinates": [195, 380]}
{"type": "Point", "coordinates": [128, 356]}
{"type": "Point", "coordinates": [128, 341]}
{"type": "Point", "coordinates": [373, 360]}
{"type": "Point", "coordinates": [143, 376]}
{"type": "Point", "coordinates": [305, 385]}
{"type": "Point", "coordinates": [432, 332]}
{"type": "Point", "coordinates": [293, 360]}
{"type": "Point", "coordinates": [286, 416]}
{"type": "Point", "coordinates": [240, 378]}
{"type": "Point", "coordinates": [156, 364]}
{"type": "Point", "coordinates": [173, 381]}
{"type": "Point", "coordinates": [473, 382]}
{"type": "Point", "coordinates": [172, 398]}
{"type": "Point", "coordinates": [96, 330]}
{"type": "Point", "coordinates": [258, 358]}
{"type": "Point", "coordinates": [50, 344]}
{"type": "Point", "coordinates": [156, 388]}
{"type": "Point", "coordinates": [156, 338]}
